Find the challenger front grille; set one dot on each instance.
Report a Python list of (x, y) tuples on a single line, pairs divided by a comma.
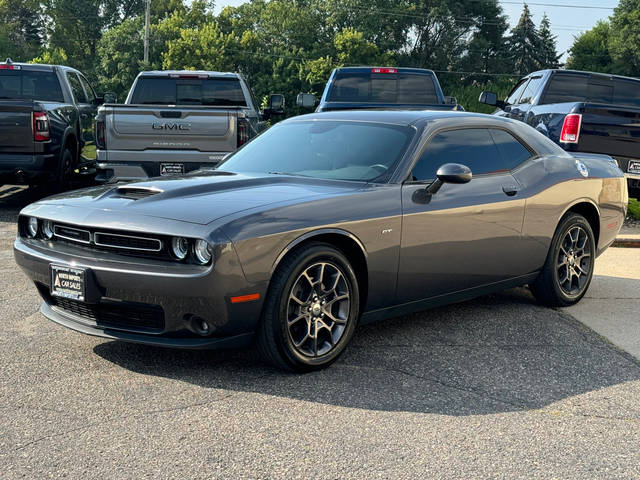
[(73, 234), (127, 242)]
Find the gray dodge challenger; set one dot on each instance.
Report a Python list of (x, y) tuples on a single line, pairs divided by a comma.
[(323, 222)]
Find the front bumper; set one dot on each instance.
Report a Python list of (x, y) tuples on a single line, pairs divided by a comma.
[(146, 301)]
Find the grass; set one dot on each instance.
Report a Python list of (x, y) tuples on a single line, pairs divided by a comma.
[(634, 208)]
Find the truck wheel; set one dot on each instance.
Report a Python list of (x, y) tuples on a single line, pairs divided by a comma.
[(568, 270), (65, 171), (311, 310)]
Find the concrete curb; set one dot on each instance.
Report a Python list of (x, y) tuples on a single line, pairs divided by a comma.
[(626, 242)]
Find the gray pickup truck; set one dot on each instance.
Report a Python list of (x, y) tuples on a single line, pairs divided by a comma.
[(174, 122)]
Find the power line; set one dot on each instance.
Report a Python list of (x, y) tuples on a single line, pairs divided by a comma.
[(555, 5)]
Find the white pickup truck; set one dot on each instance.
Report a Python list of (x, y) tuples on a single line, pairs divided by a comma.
[(174, 122)]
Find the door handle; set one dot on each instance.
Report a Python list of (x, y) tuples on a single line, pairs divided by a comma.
[(510, 190)]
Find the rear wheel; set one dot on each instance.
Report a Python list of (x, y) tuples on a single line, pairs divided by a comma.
[(65, 172), (568, 269), (311, 309)]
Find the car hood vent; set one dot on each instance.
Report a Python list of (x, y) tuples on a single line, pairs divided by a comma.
[(135, 193)]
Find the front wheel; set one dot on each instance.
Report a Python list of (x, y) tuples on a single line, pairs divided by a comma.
[(311, 309), (568, 270)]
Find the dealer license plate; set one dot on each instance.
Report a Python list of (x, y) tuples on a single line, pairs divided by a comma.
[(68, 282), (168, 169), (634, 167)]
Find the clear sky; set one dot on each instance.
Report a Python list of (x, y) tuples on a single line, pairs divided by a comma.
[(566, 22)]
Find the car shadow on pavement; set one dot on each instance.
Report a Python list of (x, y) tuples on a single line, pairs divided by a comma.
[(494, 354)]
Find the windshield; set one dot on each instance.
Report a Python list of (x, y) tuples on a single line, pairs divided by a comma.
[(338, 150), (188, 91), (394, 88), (30, 85)]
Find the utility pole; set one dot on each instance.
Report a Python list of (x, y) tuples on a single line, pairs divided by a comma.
[(147, 15)]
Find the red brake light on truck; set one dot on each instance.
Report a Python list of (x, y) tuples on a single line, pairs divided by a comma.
[(571, 128), (384, 70), (41, 127), (243, 131), (100, 136), (4, 66)]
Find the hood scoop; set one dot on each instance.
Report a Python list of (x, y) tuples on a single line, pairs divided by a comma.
[(135, 193)]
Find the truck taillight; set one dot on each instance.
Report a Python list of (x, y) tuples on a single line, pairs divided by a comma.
[(571, 128), (100, 137), (243, 131), (384, 70), (41, 127)]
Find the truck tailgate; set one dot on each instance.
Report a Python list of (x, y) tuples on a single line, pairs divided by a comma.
[(16, 130), (610, 130), (144, 127)]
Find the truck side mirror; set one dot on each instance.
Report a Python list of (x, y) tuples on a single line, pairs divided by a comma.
[(275, 106), (110, 97), (490, 98), (451, 100), (306, 100)]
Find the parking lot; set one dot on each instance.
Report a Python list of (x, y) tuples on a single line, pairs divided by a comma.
[(495, 387)]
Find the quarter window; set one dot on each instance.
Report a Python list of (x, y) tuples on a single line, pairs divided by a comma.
[(474, 148), (512, 151)]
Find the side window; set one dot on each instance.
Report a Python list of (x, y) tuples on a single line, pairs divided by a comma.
[(512, 151), (531, 90), (76, 88), (566, 87), (517, 91), (87, 88), (473, 147)]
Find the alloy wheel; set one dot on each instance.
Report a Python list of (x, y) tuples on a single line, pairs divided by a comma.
[(574, 261)]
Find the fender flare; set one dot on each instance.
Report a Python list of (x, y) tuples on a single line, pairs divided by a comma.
[(309, 236)]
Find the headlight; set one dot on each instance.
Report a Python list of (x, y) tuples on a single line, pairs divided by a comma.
[(32, 227), (47, 229), (180, 247), (203, 251)]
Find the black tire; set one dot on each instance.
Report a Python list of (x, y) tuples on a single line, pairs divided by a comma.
[(568, 269), (62, 182), (276, 338)]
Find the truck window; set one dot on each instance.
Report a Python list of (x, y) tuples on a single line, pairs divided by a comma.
[(188, 91), (30, 85), (517, 91), (626, 92), (91, 95), (532, 88), (76, 88), (395, 88), (565, 88)]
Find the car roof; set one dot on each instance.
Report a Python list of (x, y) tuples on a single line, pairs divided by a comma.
[(398, 117), (165, 73)]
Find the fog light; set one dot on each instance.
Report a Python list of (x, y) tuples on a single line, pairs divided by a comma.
[(47, 229), (180, 247), (32, 227), (203, 251)]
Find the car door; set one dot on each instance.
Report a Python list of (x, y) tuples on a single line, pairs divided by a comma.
[(466, 235), (87, 109)]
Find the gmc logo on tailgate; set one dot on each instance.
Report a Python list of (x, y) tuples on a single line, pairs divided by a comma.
[(171, 126)]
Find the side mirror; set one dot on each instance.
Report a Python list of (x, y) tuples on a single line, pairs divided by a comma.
[(97, 101), (490, 98), (451, 100), (306, 100), (450, 173), (109, 97)]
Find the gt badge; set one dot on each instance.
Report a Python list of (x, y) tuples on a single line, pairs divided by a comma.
[(582, 168)]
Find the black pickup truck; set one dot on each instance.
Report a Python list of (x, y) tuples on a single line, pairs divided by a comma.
[(582, 112), (46, 125)]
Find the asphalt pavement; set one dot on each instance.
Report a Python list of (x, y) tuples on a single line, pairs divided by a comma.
[(497, 387)]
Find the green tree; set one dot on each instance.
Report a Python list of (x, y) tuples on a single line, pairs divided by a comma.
[(624, 40), (524, 44), (590, 50), (548, 56), (21, 28)]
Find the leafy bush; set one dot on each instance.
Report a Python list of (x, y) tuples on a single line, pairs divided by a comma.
[(634, 208)]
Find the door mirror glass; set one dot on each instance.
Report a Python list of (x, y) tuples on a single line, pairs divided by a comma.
[(306, 100), (488, 98), (451, 100), (276, 104)]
